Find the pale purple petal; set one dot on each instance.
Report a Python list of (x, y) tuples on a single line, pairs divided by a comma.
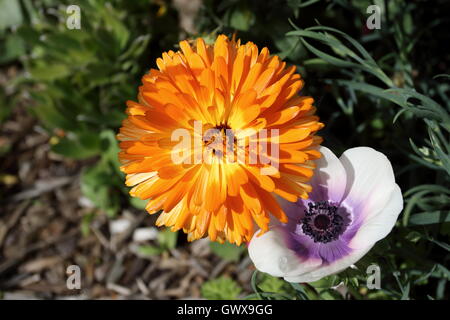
[(370, 181), (305, 247), (379, 226)]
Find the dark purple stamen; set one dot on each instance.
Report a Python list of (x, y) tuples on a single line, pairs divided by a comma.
[(322, 222)]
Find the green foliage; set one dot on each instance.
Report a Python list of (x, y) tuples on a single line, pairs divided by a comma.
[(227, 251), (10, 14), (149, 250), (275, 285), (166, 240), (267, 287), (86, 224), (222, 288), (96, 181)]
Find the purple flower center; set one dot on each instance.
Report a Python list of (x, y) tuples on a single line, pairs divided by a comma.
[(322, 222)]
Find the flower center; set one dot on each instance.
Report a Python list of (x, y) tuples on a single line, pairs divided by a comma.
[(220, 140), (322, 222)]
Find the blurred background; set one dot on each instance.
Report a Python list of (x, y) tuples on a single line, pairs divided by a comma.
[(62, 99)]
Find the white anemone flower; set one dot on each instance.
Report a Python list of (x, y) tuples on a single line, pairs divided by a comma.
[(355, 202)]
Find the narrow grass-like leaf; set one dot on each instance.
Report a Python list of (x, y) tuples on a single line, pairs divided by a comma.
[(426, 218)]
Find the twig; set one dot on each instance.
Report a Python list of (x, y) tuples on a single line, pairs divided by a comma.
[(42, 187), (5, 266), (11, 222)]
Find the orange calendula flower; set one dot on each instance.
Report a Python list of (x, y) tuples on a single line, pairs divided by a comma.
[(218, 131)]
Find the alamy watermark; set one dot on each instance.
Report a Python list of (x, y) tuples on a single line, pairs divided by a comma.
[(73, 281), (374, 20), (73, 20), (374, 277)]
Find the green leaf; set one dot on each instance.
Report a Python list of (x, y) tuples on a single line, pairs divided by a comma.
[(50, 72), (97, 185), (227, 251), (290, 47), (300, 290), (12, 48), (136, 48), (405, 288), (297, 4), (10, 14), (272, 284), (110, 148), (149, 250), (241, 19), (442, 75), (440, 244), (390, 95), (167, 239), (429, 218), (222, 288), (138, 203), (86, 223), (81, 146), (113, 22), (330, 294), (322, 34), (49, 113), (317, 64), (326, 283)]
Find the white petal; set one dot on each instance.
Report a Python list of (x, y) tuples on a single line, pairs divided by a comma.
[(329, 179), (379, 226), (270, 254), (326, 270), (370, 181)]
